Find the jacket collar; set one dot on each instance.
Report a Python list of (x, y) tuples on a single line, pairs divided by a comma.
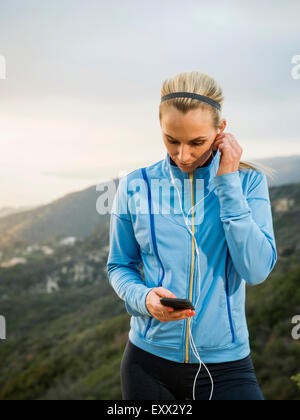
[(204, 172)]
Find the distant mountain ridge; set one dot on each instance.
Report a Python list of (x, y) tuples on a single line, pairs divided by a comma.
[(74, 214), (6, 211), (287, 168)]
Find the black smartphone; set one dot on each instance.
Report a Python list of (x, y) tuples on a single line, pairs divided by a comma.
[(177, 304)]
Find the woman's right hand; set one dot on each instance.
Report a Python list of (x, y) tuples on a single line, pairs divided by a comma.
[(161, 312)]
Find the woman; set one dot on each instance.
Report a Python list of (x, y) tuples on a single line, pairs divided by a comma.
[(203, 243)]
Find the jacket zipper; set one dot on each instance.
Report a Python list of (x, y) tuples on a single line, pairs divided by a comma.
[(191, 175)]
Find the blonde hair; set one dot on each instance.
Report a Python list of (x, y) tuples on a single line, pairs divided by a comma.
[(202, 84)]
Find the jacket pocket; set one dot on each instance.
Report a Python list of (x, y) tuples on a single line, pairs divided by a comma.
[(238, 300), (166, 334), (228, 304), (230, 316), (148, 325), (211, 329), (141, 225)]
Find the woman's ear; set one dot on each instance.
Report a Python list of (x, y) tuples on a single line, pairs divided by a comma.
[(223, 126)]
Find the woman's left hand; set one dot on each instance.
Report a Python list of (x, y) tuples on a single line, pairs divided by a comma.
[(230, 151)]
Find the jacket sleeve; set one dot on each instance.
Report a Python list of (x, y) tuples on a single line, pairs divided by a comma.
[(124, 257), (248, 224)]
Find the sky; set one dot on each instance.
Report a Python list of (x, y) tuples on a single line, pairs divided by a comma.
[(80, 90)]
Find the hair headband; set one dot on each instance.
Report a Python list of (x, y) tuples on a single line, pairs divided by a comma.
[(193, 96)]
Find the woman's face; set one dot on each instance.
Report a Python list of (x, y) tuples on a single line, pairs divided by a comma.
[(188, 137)]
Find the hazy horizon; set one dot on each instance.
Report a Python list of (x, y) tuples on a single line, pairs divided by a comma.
[(80, 99)]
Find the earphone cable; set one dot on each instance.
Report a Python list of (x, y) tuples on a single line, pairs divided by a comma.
[(193, 346)]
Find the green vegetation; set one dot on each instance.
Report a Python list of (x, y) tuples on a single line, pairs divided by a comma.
[(297, 379), (65, 345), (270, 308)]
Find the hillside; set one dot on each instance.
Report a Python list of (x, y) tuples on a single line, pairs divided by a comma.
[(72, 215), (285, 201)]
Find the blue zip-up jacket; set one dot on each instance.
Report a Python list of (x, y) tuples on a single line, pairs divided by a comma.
[(234, 233)]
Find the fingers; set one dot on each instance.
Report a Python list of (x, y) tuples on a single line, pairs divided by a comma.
[(220, 135), (223, 142), (181, 314), (161, 291), (228, 142), (218, 140), (176, 315)]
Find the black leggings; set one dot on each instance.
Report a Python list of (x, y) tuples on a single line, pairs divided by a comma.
[(145, 376)]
